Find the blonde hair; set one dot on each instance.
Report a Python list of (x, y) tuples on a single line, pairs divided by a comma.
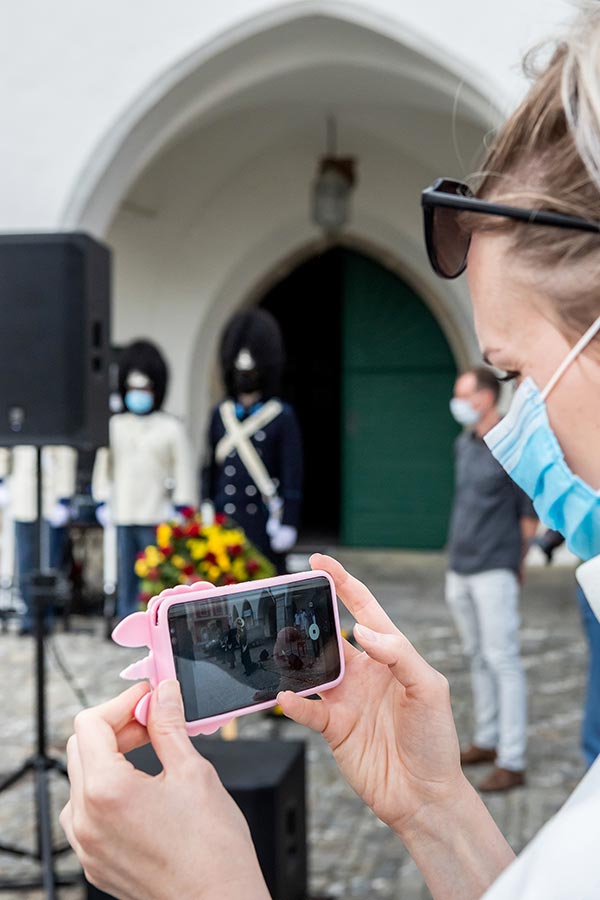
[(547, 156)]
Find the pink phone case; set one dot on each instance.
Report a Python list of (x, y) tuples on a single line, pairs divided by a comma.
[(151, 629)]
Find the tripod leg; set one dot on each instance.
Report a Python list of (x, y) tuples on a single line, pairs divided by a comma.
[(45, 831), (60, 767), (16, 776)]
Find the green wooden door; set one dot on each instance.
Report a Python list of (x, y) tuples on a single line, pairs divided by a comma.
[(397, 432)]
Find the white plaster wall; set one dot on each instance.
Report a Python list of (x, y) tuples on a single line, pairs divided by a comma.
[(75, 76), (211, 223)]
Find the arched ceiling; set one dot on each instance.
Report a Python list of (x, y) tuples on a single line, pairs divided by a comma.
[(288, 76)]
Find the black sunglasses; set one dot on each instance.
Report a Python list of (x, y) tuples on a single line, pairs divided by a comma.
[(448, 243)]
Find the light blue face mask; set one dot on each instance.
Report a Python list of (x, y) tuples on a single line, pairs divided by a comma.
[(525, 445), (463, 412), (139, 402)]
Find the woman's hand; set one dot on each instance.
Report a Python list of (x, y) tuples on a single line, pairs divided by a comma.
[(390, 727), (178, 834), (389, 723)]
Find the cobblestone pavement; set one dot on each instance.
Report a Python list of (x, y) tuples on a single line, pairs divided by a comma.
[(352, 855)]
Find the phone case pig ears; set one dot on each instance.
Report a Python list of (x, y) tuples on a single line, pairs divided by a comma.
[(133, 631)]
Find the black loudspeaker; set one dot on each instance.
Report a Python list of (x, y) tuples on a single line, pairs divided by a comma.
[(267, 781), (54, 340)]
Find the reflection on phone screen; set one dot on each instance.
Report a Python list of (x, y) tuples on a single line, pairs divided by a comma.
[(240, 649)]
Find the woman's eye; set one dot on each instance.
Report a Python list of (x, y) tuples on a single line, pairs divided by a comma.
[(509, 376)]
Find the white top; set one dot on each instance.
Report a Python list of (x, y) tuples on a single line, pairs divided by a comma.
[(148, 457), (19, 467), (563, 861)]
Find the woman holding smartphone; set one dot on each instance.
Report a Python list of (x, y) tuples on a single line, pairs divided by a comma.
[(528, 234)]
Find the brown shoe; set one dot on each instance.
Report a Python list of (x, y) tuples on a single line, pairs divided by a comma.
[(474, 755), (501, 780)]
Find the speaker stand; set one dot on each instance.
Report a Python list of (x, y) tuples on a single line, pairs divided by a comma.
[(40, 764)]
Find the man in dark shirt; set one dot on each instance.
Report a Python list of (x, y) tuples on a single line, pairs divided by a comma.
[(491, 525)]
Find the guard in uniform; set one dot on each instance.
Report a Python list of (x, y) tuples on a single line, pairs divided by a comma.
[(253, 463), (145, 470)]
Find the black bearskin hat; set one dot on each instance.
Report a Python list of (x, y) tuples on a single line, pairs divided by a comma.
[(144, 356), (258, 331)]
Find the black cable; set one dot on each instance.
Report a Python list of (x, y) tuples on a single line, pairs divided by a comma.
[(66, 673)]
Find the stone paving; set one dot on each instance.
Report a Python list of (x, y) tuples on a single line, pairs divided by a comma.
[(352, 855)]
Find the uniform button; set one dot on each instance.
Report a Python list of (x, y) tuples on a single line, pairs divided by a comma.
[(230, 490), (252, 509), (251, 490), (230, 471), (229, 508), (260, 435)]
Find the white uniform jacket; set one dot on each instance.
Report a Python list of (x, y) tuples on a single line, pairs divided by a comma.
[(563, 861), (19, 466), (148, 456)]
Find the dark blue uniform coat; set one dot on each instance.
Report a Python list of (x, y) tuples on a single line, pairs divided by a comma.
[(231, 489)]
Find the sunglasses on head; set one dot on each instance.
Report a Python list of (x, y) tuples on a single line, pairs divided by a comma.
[(448, 242)]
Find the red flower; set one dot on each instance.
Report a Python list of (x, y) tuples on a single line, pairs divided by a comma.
[(140, 555), (188, 570), (236, 550), (177, 531), (154, 575), (193, 530), (220, 518), (169, 550), (230, 579), (211, 559), (187, 512), (145, 596), (252, 566)]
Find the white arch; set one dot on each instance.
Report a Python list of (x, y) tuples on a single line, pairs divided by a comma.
[(208, 78)]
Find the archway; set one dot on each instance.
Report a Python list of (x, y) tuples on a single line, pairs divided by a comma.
[(370, 372), (203, 189), (224, 72)]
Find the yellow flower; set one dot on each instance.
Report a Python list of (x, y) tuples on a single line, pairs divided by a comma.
[(197, 548), (178, 561), (233, 538), (183, 579), (223, 562), (216, 544), (213, 573), (239, 569), (141, 568), (154, 557), (163, 535)]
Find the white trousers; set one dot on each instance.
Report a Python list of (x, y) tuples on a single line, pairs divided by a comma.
[(485, 608)]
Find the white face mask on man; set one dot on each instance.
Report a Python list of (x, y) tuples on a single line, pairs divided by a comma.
[(464, 412)]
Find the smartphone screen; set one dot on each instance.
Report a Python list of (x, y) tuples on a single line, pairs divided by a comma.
[(241, 649)]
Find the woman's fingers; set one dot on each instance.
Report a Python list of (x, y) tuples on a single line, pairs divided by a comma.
[(97, 728), (350, 651), (311, 713), (356, 597), (132, 736), (396, 652), (66, 823), (74, 769)]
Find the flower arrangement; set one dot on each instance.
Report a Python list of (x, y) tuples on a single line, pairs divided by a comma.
[(187, 550)]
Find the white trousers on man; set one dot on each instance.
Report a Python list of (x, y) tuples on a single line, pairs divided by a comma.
[(485, 607)]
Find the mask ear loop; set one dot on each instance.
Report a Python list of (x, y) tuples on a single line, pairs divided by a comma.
[(571, 356)]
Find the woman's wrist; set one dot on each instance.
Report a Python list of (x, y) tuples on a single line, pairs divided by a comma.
[(456, 844)]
